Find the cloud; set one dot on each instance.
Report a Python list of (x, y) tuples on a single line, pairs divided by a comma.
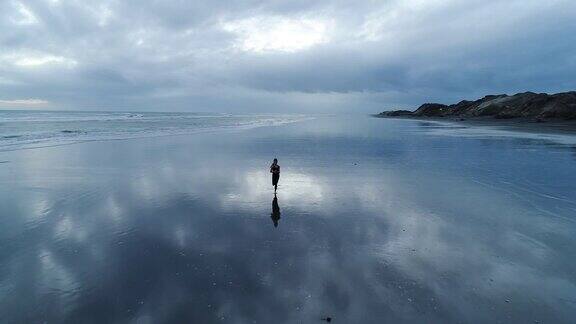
[(270, 34), (31, 60), (23, 103), (23, 15), (282, 55)]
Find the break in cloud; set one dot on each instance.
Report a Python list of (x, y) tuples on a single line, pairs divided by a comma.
[(280, 55)]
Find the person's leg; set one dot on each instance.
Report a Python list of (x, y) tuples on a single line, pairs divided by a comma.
[(275, 179)]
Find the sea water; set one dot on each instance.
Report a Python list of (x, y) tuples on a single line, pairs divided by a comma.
[(29, 129)]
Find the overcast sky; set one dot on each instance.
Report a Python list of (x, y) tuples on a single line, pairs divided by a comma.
[(280, 55)]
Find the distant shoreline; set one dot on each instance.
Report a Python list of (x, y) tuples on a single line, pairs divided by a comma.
[(528, 111), (566, 127)]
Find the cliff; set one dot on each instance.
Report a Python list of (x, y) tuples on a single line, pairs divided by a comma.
[(528, 105)]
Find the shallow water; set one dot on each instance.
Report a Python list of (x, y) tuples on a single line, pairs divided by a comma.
[(33, 129), (379, 221)]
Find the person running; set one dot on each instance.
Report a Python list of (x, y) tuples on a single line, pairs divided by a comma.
[(275, 170)]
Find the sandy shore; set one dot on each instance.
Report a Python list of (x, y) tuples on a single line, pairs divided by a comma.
[(375, 221), (552, 126)]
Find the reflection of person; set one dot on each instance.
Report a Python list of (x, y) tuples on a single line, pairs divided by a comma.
[(275, 170), (275, 211)]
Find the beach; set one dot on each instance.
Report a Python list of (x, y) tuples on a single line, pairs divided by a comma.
[(525, 125), (380, 221)]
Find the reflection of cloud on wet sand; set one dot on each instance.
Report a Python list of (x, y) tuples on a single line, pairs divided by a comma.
[(434, 244), (189, 238), (255, 186)]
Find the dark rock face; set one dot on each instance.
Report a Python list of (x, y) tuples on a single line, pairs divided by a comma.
[(431, 110), (396, 113), (537, 106)]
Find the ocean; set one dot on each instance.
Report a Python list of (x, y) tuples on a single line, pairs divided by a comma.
[(32, 129)]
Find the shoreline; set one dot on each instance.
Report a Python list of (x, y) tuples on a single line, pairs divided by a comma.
[(68, 131), (527, 125)]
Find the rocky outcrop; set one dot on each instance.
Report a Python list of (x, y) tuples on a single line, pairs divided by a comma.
[(538, 106), (431, 110), (399, 113)]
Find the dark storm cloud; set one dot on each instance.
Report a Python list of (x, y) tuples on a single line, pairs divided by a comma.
[(279, 55)]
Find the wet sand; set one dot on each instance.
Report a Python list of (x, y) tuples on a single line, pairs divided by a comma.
[(376, 221), (529, 125)]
